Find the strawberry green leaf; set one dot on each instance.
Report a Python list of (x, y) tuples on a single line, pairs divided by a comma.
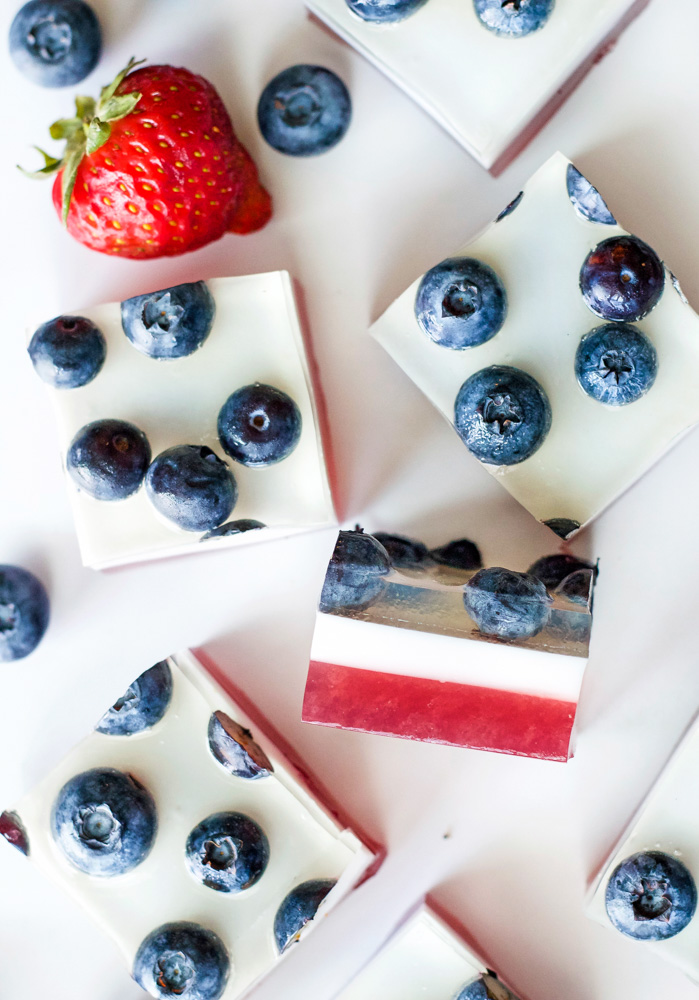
[(75, 150), (111, 89), (118, 107), (64, 128), (85, 107), (97, 134), (51, 166)]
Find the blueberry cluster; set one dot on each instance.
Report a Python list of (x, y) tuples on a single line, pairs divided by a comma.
[(189, 485)]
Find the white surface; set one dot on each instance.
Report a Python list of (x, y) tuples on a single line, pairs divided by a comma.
[(355, 227)]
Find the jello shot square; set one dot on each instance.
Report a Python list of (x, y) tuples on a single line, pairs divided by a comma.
[(187, 419), (190, 836), (559, 347), (490, 73)]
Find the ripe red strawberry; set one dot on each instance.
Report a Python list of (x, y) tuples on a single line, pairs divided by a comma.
[(154, 168)]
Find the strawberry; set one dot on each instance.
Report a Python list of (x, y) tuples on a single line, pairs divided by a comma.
[(154, 169)]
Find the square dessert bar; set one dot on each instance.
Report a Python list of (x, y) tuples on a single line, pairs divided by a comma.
[(491, 91), (190, 836), (410, 661), (173, 359), (559, 347), (647, 887)]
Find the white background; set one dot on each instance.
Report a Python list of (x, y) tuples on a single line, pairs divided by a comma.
[(355, 227)]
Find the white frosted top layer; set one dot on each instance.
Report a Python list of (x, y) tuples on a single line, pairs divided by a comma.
[(255, 338), (593, 452), (668, 821), (424, 960), (482, 88), (173, 761)]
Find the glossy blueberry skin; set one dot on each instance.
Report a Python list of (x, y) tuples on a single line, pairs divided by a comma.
[(104, 821), (486, 988), (297, 909), (502, 415), (513, 18), (651, 896), (67, 352), (304, 111), (586, 199), (564, 527), (506, 604), (616, 364), (622, 279), (259, 425), (355, 574), (384, 11), (192, 487), (227, 852), (459, 554), (182, 959), (142, 705), (238, 527), (24, 612), (552, 570), (509, 209), (13, 831), (108, 459), (461, 303), (404, 553), (171, 323), (55, 43), (235, 749)]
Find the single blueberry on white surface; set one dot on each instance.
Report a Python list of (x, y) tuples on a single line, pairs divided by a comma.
[(55, 43), (305, 110), (171, 323), (622, 279), (616, 364), (651, 896), (384, 11), (506, 604), (355, 574), (259, 425), (68, 352), (236, 750), (586, 199), (182, 959), (24, 612), (192, 487), (513, 18), (227, 852), (108, 459), (297, 909), (142, 705), (461, 303)]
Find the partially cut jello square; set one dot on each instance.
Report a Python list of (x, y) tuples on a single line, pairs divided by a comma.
[(559, 347), (187, 419), (191, 835), (490, 659), (490, 72)]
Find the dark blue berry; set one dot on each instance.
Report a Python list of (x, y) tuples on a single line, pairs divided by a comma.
[(564, 527), (233, 528), (67, 352), (355, 574), (622, 279), (171, 323), (227, 852), (651, 896), (506, 604), (182, 959), (502, 415), (55, 43), (192, 487), (486, 988), (384, 11), (259, 425), (236, 750), (305, 110), (616, 364), (142, 705), (586, 199), (513, 18), (459, 554), (509, 209), (297, 909), (13, 831), (552, 570), (108, 459), (104, 821), (404, 553), (24, 612), (461, 303)]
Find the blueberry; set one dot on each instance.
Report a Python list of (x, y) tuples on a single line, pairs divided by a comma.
[(502, 415), (67, 352), (384, 11), (182, 959), (616, 364), (24, 612), (55, 43), (192, 487), (297, 909), (586, 199), (513, 18), (552, 570), (461, 303), (13, 831), (577, 586), (564, 527), (404, 553), (651, 896), (486, 988), (259, 425), (142, 705), (104, 821), (171, 323), (233, 528), (108, 459), (622, 279), (509, 209), (305, 110), (227, 852), (236, 750), (506, 604), (355, 574), (459, 554)]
